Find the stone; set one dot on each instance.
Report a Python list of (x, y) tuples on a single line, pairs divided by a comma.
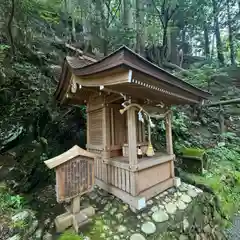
[(102, 235), (119, 217), (122, 229), (183, 237), (161, 206), (38, 233), (181, 205), (154, 208), (116, 237), (198, 190), (125, 207), (192, 193), (167, 200), (171, 208), (113, 211), (21, 216), (107, 207), (160, 216), (103, 193), (179, 194), (93, 195), (148, 228), (33, 227), (15, 237), (47, 222), (103, 201), (137, 236), (207, 229), (197, 237), (150, 202), (182, 188), (47, 236), (105, 228), (185, 198), (177, 182), (138, 217), (171, 190), (185, 224)]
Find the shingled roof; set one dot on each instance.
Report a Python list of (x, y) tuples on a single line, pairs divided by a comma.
[(125, 58)]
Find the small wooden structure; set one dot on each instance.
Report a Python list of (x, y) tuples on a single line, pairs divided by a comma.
[(108, 85), (74, 177)]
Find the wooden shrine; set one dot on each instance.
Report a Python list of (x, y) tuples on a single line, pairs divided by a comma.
[(74, 177), (123, 92)]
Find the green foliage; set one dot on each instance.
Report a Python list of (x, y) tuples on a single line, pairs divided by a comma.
[(224, 178), (193, 152), (10, 202), (70, 236)]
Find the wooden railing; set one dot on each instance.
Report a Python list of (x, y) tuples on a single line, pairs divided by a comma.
[(113, 175)]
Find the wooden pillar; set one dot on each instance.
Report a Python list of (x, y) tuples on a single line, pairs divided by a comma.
[(168, 126), (132, 136), (132, 148), (106, 141), (169, 142)]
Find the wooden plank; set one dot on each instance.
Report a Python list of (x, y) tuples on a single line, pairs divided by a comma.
[(127, 181), (123, 179), (132, 141), (116, 176), (168, 125), (157, 189), (133, 184), (100, 168), (124, 196), (110, 79), (112, 126), (95, 147), (119, 178), (113, 169)]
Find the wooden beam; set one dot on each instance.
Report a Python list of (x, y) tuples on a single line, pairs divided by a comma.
[(227, 102), (132, 141), (168, 126)]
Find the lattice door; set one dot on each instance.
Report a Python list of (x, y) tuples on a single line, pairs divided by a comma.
[(74, 177)]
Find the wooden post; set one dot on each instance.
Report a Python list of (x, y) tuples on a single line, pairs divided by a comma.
[(132, 138), (106, 141), (132, 147), (168, 126)]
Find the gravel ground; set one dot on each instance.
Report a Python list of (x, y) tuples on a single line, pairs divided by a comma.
[(233, 232)]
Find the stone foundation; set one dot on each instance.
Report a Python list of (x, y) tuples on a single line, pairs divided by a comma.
[(179, 213)]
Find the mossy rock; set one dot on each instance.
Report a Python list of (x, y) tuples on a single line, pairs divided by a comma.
[(194, 160)]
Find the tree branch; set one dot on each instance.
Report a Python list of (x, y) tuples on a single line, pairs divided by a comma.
[(159, 14), (115, 14)]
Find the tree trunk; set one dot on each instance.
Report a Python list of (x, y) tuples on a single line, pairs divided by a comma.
[(73, 26), (172, 52), (87, 31), (9, 26), (66, 18), (217, 32), (127, 20), (206, 39), (230, 34), (140, 33)]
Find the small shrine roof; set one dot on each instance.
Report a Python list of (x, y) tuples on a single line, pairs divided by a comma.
[(150, 80)]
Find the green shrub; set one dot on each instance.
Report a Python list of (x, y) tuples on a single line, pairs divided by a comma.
[(70, 236), (10, 202)]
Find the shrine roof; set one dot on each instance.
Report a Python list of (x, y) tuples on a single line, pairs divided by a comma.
[(124, 59)]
